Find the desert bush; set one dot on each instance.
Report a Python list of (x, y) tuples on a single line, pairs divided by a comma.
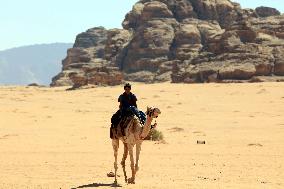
[(155, 135)]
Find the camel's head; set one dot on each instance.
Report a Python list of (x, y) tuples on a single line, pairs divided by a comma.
[(153, 112)]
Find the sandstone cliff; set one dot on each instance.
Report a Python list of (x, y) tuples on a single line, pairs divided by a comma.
[(180, 41)]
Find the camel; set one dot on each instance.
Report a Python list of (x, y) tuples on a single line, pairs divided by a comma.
[(134, 135)]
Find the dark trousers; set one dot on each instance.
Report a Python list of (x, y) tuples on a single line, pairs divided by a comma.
[(141, 115)]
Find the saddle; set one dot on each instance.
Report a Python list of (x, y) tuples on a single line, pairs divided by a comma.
[(121, 119), (118, 130)]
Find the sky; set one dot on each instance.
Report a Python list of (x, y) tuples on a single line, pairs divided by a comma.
[(48, 21)]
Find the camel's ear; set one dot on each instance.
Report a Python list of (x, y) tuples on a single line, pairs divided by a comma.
[(147, 111), (158, 110)]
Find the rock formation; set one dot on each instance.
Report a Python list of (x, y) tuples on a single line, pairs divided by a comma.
[(93, 59), (267, 11), (180, 41)]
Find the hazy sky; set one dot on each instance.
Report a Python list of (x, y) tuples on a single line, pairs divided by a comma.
[(47, 21)]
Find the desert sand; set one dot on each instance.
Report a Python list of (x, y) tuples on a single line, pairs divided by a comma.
[(51, 138)]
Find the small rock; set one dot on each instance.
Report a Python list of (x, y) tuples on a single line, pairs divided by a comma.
[(200, 141)]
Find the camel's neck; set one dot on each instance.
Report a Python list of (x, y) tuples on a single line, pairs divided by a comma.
[(146, 127)]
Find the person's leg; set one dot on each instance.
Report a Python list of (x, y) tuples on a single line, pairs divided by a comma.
[(135, 111), (142, 117)]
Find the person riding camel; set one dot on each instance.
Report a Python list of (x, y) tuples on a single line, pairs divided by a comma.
[(127, 107), (127, 99)]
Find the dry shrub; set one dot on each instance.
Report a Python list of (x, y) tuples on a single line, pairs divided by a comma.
[(155, 135)]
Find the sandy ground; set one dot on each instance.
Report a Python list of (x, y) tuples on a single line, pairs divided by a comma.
[(51, 138)]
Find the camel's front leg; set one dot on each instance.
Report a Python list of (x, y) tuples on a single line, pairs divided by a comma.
[(115, 145), (132, 179), (125, 153), (138, 149)]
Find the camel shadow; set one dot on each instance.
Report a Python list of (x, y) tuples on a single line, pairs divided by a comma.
[(113, 185)]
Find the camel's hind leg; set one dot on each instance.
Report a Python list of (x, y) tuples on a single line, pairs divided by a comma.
[(115, 145), (123, 160)]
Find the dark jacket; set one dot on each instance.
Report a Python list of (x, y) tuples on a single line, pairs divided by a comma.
[(127, 100)]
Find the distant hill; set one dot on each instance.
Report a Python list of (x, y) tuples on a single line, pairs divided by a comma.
[(31, 64)]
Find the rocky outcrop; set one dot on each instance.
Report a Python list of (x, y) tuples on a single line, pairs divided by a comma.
[(180, 41), (93, 58), (267, 11), (279, 61), (250, 47)]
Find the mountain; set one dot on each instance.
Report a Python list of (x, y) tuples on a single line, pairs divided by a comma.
[(31, 64), (188, 41)]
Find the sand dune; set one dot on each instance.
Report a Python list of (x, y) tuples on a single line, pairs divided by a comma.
[(51, 138)]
